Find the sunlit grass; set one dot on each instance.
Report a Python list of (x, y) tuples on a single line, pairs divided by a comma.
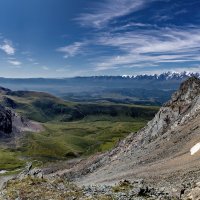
[(71, 129), (84, 137), (10, 160)]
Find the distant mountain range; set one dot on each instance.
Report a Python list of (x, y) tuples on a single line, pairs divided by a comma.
[(139, 89), (165, 76)]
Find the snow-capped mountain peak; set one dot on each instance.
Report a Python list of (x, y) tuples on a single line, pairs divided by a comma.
[(165, 76)]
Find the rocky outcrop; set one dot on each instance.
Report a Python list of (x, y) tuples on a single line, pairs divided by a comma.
[(29, 172), (22, 124), (4, 90), (5, 121), (184, 105), (10, 103), (194, 193), (12, 123)]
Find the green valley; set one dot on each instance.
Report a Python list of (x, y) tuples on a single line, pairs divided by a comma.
[(71, 130)]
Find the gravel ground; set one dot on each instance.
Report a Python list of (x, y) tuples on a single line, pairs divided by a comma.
[(4, 179)]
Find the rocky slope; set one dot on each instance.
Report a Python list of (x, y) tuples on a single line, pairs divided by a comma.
[(12, 123), (155, 163), (159, 153)]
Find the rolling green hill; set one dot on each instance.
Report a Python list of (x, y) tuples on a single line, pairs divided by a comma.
[(70, 129)]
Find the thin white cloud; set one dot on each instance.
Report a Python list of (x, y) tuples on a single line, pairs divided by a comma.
[(152, 47), (31, 59), (45, 68), (14, 62), (7, 47), (72, 49), (132, 25), (108, 10), (128, 42)]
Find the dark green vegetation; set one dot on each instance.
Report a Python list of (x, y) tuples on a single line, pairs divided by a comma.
[(71, 129), (43, 107)]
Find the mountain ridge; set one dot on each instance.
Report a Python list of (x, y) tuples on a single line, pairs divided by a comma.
[(169, 75), (166, 75), (157, 152)]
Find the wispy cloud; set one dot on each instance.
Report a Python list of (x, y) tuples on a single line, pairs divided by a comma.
[(14, 62), (134, 43), (107, 10), (45, 68), (122, 37), (31, 59), (151, 47), (7, 47), (72, 49)]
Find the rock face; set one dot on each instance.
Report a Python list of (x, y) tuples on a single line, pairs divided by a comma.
[(22, 124), (183, 106), (4, 90), (9, 103), (159, 153), (11, 123), (5, 121), (29, 172)]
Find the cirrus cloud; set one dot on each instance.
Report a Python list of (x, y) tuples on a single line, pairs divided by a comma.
[(72, 49), (14, 62), (108, 10), (145, 48), (7, 47)]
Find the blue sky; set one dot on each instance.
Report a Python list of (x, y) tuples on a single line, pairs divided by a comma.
[(66, 38)]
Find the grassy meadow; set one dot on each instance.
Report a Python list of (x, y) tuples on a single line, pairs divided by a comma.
[(79, 138), (71, 129)]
